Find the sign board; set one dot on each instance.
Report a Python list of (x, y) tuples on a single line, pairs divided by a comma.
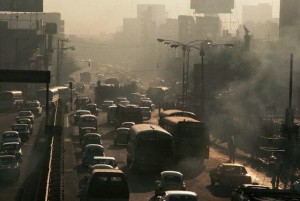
[(212, 6), (21, 5), (25, 76)]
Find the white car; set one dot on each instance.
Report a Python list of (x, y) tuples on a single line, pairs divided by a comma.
[(178, 195)]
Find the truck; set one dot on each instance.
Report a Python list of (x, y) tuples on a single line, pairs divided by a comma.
[(85, 77)]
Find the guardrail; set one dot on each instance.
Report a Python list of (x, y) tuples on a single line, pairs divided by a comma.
[(55, 177)]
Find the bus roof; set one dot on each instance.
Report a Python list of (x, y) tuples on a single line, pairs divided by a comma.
[(145, 128), (177, 119), (11, 92), (175, 112)]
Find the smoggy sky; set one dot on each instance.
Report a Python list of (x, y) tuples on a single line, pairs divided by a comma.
[(91, 17)]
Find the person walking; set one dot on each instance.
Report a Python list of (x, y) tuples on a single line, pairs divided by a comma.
[(231, 150)]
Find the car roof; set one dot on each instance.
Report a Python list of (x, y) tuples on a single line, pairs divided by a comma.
[(105, 157), (164, 173), (77, 111), (7, 156), (232, 164), (94, 146), (7, 132), (86, 128), (107, 171), (102, 166), (123, 128), (253, 185), (191, 193), (92, 134), (87, 115), (19, 125), (9, 143)]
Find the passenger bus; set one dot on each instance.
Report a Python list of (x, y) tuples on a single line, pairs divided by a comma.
[(150, 147), (64, 93), (132, 113), (53, 95), (191, 136), (11, 100), (175, 112)]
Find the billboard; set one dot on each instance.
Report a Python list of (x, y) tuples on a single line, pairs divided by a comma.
[(212, 6), (21, 5)]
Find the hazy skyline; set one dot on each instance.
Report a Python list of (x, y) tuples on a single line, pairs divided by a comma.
[(91, 17)]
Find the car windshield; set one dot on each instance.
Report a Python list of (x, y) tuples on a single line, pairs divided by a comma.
[(19, 127), (234, 170), (24, 113), (172, 179), (10, 147)]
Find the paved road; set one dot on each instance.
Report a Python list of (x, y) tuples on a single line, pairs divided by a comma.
[(142, 185)]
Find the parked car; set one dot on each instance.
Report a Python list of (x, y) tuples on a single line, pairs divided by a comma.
[(230, 174), (26, 121), (178, 196), (85, 130), (91, 138), (146, 113), (78, 113), (9, 168), (11, 136), (34, 106), (93, 109), (121, 136), (12, 148), (25, 114), (105, 160), (239, 193), (169, 180), (23, 130), (106, 104), (106, 184), (89, 152)]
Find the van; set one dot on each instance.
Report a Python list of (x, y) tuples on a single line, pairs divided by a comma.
[(107, 185)]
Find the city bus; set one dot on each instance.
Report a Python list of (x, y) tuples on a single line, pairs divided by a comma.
[(191, 136), (150, 147), (11, 100), (53, 95), (175, 112), (157, 94)]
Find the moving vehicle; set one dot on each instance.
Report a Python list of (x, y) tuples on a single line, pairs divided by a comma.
[(89, 152), (121, 136), (85, 130), (132, 113), (99, 166), (191, 136), (11, 100), (147, 103), (9, 168), (23, 130), (106, 104), (104, 92), (239, 193), (150, 147), (26, 121), (25, 114), (113, 80), (127, 124), (169, 180), (106, 185), (92, 108), (34, 106), (87, 120), (146, 113), (11, 136), (230, 174), (78, 113), (105, 160), (53, 95), (91, 138), (157, 94), (178, 196), (119, 99), (175, 112), (111, 114), (12, 148)]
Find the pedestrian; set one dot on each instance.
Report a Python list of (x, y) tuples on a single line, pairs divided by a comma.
[(231, 150)]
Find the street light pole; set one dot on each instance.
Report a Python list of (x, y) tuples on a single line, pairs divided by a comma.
[(202, 53)]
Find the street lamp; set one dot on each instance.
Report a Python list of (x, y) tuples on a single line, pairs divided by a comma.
[(185, 70), (202, 54), (59, 59)]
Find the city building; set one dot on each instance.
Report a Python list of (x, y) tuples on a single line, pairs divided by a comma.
[(263, 13)]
